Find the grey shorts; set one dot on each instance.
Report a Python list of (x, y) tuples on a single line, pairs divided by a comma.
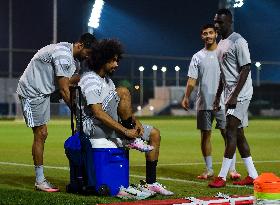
[(205, 119), (240, 112), (36, 112)]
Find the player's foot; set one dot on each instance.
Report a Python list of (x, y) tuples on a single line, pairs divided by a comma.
[(158, 188), (140, 145), (132, 192), (246, 181), (143, 186), (217, 182), (234, 175), (208, 173), (45, 186)]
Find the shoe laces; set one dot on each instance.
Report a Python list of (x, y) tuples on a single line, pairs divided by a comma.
[(159, 184)]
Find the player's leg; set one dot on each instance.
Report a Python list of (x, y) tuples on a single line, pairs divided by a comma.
[(37, 113), (124, 111), (221, 124), (231, 135), (204, 124), (125, 107), (152, 136), (244, 148)]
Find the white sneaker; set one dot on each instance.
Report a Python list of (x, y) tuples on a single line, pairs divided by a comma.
[(208, 173), (45, 186), (132, 193), (159, 188), (144, 188), (140, 145)]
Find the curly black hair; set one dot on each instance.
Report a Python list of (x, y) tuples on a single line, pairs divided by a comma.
[(104, 51)]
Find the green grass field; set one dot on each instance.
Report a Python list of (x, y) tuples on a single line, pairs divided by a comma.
[(179, 163)]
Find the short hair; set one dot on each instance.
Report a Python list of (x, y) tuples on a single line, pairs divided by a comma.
[(104, 51), (224, 11), (205, 26), (88, 40)]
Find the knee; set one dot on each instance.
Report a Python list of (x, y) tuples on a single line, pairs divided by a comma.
[(41, 134), (123, 92), (155, 136)]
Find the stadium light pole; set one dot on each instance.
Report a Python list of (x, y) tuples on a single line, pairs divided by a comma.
[(154, 68), (163, 69), (177, 69), (54, 21), (141, 69), (258, 65), (9, 90)]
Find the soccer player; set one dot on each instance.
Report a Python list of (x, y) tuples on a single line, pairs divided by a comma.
[(234, 58), (204, 69), (53, 65), (105, 105)]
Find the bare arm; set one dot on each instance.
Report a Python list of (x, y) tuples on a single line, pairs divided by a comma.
[(245, 70), (189, 88), (107, 120), (216, 104), (63, 84), (74, 79)]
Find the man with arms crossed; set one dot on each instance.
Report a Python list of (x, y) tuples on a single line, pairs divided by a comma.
[(105, 105), (51, 66), (204, 68), (234, 59)]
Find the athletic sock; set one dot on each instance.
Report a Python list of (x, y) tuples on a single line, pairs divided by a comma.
[(39, 172), (250, 167), (151, 171), (233, 162), (208, 162), (225, 167)]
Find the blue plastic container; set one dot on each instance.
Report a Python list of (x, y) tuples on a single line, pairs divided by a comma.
[(111, 169), (101, 170)]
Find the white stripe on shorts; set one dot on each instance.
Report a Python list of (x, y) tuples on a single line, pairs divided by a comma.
[(230, 111), (27, 110)]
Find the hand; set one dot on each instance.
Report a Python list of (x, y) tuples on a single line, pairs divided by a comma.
[(131, 133), (216, 104), (139, 128), (185, 103)]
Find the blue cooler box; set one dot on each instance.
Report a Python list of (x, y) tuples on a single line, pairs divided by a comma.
[(102, 170), (111, 169)]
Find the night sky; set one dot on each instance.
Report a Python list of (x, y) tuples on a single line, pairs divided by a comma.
[(146, 27)]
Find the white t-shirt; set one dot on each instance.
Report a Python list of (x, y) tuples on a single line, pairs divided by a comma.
[(233, 53)]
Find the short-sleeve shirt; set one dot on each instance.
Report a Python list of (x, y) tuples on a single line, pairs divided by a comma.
[(96, 90), (233, 53), (204, 67), (51, 61)]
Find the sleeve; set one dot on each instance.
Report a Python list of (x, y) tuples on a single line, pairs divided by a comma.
[(63, 63), (193, 67), (242, 52), (91, 89)]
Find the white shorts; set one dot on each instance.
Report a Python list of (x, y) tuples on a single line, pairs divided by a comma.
[(240, 112), (36, 112)]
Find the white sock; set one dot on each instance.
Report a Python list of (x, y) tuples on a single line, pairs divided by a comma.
[(39, 172), (232, 165), (208, 162), (250, 167), (225, 168)]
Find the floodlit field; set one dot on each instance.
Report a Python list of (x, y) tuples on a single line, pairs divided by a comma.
[(179, 163)]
